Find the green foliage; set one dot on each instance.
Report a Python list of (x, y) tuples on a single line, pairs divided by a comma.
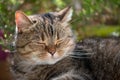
[(98, 31), (87, 12)]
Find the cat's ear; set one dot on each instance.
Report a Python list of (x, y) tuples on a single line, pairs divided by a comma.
[(22, 21), (65, 15)]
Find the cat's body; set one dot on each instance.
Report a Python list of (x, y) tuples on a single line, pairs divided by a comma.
[(105, 57), (44, 51), (66, 69)]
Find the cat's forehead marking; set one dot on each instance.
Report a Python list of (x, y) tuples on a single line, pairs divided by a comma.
[(44, 18), (49, 16), (36, 18), (49, 27)]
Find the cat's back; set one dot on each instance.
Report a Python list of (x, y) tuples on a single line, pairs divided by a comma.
[(105, 58)]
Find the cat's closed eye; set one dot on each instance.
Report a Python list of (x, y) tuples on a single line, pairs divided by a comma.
[(57, 45), (37, 43)]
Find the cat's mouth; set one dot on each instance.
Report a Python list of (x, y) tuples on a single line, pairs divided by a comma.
[(47, 59)]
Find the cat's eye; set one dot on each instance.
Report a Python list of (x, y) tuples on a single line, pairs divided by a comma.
[(38, 43), (57, 45)]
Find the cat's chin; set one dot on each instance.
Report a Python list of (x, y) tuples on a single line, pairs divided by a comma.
[(45, 62), (48, 60)]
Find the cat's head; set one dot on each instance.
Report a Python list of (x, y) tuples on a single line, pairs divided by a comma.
[(46, 38)]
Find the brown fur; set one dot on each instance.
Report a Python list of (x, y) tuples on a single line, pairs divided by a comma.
[(105, 57), (44, 51)]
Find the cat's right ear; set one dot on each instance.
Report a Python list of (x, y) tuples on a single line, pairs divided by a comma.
[(65, 14), (22, 21)]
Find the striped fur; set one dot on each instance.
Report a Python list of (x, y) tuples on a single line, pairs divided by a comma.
[(44, 51), (46, 37)]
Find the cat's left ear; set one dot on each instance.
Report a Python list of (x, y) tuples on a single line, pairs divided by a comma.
[(22, 21), (65, 15)]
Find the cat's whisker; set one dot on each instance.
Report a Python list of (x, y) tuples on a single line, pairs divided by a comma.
[(82, 53), (80, 57), (82, 50)]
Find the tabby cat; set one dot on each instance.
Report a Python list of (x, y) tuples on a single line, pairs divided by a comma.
[(45, 45)]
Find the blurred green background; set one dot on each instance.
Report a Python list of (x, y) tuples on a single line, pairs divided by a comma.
[(91, 18)]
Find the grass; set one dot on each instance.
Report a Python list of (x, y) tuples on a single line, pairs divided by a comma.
[(98, 31)]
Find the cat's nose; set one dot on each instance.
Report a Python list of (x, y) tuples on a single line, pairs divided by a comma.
[(52, 51)]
